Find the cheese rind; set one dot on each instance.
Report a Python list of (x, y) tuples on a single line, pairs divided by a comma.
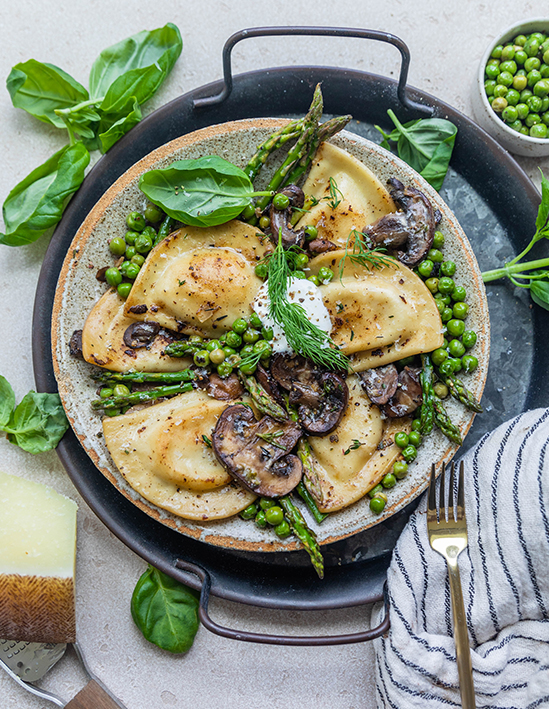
[(37, 560)]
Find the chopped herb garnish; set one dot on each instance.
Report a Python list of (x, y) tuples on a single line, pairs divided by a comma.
[(270, 436), (334, 202), (206, 440), (363, 256), (355, 445), (181, 283)]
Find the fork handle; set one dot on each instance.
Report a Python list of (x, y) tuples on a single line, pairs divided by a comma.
[(92, 696), (463, 652)]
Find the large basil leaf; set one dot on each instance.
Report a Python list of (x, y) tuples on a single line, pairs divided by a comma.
[(38, 201), (38, 423), (134, 67), (165, 611), (202, 192), (7, 401), (40, 89), (113, 126), (539, 290), (543, 211)]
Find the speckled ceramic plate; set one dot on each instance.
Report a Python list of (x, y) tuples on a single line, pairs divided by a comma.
[(78, 290)]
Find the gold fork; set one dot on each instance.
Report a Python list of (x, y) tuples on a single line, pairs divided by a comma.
[(448, 536)]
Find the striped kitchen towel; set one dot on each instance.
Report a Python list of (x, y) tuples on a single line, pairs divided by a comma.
[(505, 581)]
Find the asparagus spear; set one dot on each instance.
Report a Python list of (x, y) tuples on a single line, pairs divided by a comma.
[(310, 501), (185, 375), (305, 535), (140, 397), (265, 403), (444, 422), (311, 482), (459, 391), (427, 411), (183, 348), (164, 230), (292, 130)]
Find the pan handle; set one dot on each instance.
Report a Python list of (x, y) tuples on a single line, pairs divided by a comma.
[(315, 32), (300, 640)]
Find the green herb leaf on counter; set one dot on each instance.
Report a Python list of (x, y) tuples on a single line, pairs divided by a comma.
[(38, 201), (165, 611), (40, 89), (37, 424), (203, 192), (530, 274), (425, 144), (113, 126)]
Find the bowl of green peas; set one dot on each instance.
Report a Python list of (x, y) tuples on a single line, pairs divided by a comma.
[(511, 94)]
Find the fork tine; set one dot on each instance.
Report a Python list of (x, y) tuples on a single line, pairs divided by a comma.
[(432, 504), (451, 493), (441, 501), (461, 494)]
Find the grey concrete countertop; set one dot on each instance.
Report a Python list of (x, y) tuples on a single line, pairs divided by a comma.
[(446, 42)]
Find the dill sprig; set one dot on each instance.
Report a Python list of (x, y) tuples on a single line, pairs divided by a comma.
[(372, 259), (333, 200), (303, 336)]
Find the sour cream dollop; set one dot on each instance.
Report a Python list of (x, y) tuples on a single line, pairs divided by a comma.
[(300, 291)]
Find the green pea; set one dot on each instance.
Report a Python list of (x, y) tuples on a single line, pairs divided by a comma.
[(152, 213), (124, 289), (507, 53), (469, 363), (425, 268), (456, 363), (301, 261), (489, 86), (545, 118), (505, 79), (124, 267), (446, 314), (438, 356), (516, 125), (497, 51), (444, 298), (532, 119), (325, 275), (499, 104), (264, 222), (541, 89), (113, 276), (377, 505), (522, 110), (435, 255), (281, 201), (538, 35), (544, 104), (112, 412), (195, 339), (461, 310), (263, 348), (246, 350), (400, 469), (538, 130), (261, 270), (415, 438), (233, 339), (510, 114), (532, 63), (283, 530), (544, 71), (121, 390), (314, 279), (224, 369), (534, 103), (311, 232), (132, 270), (432, 284), (441, 390), (143, 244), (389, 481), (267, 333), (409, 453), (519, 83), (456, 348), (249, 512), (440, 305), (469, 338), (438, 240), (274, 515), (520, 57), (228, 350), (212, 345), (130, 252), (446, 285), (375, 491), (459, 293), (217, 356), (446, 367), (117, 246), (531, 47), (105, 393), (492, 71), (240, 326), (402, 439), (130, 237), (247, 368), (455, 327), (416, 424), (546, 57), (300, 274), (533, 77), (260, 519), (201, 358), (500, 90), (447, 268), (251, 335), (135, 221)]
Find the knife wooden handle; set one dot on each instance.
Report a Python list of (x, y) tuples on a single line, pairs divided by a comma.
[(92, 696)]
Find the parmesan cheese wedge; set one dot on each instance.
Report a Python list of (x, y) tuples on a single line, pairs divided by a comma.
[(37, 560)]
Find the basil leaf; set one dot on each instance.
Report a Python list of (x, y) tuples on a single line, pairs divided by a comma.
[(38, 423), (165, 611), (113, 126), (202, 192), (40, 89), (135, 67), (38, 201), (543, 211), (539, 290), (7, 401)]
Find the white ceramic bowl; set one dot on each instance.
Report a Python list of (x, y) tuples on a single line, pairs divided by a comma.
[(487, 118)]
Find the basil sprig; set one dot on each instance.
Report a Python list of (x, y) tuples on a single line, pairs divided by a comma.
[(425, 144), (204, 192), (165, 611), (122, 79), (37, 424)]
